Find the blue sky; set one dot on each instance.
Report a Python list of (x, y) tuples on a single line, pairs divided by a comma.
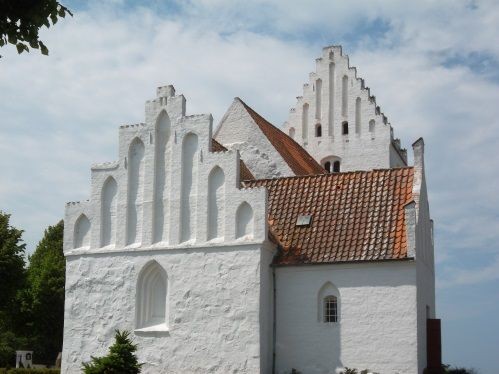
[(433, 66)]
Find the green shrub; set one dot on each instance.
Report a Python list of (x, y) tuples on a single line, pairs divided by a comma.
[(120, 360)]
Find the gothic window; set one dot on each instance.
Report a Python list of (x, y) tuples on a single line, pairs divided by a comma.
[(371, 126), (327, 166), (151, 305), (318, 130), (336, 167), (292, 132), (344, 127), (330, 309)]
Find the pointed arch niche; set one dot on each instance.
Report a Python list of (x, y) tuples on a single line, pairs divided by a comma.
[(358, 114), (216, 203), (188, 205), (162, 152), (304, 122), (328, 304), (135, 191), (151, 307), (344, 96), (81, 236), (109, 203), (244, 221)]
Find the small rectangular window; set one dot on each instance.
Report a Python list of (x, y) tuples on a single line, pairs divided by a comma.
[(330, 309)]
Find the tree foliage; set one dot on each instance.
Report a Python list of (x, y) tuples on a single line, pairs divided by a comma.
[(21, 20), (43, 298), (12, 281), (12, 262), (120, 360)]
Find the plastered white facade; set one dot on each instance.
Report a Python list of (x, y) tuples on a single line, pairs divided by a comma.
[(334, 95), (170, 199), (377, 326)]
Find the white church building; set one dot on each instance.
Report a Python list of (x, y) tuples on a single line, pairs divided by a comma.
[(250, 249)]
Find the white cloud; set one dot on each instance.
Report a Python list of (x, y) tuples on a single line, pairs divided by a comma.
[(459, 277)]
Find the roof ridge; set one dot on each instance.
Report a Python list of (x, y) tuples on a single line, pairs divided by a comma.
[(335, 174), (297, 158)]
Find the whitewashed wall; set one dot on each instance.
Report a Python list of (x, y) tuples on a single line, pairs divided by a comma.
[(369, 143), (214, 309), (377, 327), (170, 199), (237, 130), (424, 252)]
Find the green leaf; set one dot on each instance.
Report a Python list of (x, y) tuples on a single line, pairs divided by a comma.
[(44, 49), (21, 48)]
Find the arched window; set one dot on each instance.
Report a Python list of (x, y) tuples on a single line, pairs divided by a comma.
[(151, 309), (330, 312), (371, 126), (344, 127), (292, 132), (328, 304), (318, 130), (331, 164)]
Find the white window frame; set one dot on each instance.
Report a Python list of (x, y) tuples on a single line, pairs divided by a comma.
[(330, 309)]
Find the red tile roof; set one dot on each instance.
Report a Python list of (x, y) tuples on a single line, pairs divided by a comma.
[(298, 159), (356, 216), (243, 169)]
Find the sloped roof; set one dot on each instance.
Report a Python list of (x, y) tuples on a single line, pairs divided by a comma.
[(356, 216), (243, 169), (297, 158)]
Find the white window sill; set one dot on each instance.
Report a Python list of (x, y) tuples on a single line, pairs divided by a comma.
[(162, 327)]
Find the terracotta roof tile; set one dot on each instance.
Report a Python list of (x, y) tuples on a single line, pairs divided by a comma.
[(356, 216), (297, 158)]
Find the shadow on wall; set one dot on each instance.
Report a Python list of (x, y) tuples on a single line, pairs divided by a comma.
[(313, 345)]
